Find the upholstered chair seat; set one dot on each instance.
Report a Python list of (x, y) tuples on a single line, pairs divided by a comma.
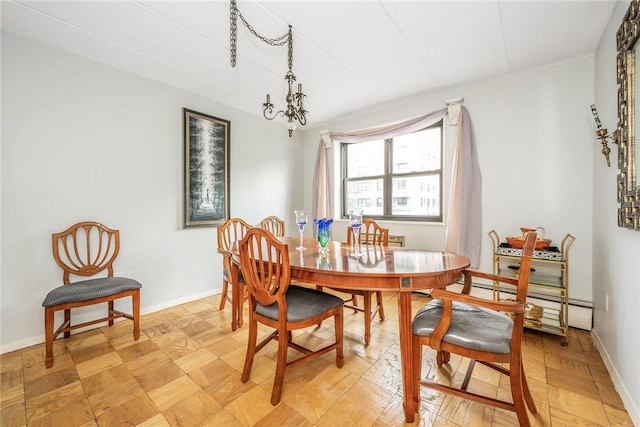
[(473, 327), (302, 304), (89, 289)]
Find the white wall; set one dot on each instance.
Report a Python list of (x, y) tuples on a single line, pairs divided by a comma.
[(535, 145), (83, 141), (616, 251)]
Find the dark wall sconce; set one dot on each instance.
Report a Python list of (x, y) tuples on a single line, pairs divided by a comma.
[(602, 134)]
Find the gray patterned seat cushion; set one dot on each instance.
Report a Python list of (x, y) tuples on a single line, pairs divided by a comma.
[(471, 327), (85, 290), (302, 303)]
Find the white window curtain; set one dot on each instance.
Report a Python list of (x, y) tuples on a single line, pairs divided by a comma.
[(464, 216)]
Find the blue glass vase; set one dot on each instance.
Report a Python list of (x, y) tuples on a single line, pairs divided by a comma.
[(324, 233)]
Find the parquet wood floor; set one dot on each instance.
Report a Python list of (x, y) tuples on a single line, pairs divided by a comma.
[(185, 371)]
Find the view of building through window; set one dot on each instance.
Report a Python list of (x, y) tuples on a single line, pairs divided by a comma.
[(398, 178)]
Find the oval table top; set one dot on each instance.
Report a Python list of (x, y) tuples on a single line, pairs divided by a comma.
[(378, 267)]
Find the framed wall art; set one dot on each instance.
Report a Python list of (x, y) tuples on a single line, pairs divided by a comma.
[(206, 170)]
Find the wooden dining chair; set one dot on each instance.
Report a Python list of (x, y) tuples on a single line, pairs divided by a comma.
[(281, 306), (479, 330), (87, 249), (370, 233), (274, 224), (232, 231)]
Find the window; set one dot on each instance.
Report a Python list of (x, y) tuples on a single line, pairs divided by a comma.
[(398, 178), (364, 186)]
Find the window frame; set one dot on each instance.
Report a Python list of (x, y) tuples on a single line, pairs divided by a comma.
[(387, 180)]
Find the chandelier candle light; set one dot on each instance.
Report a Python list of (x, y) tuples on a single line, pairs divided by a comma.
[(294, 111)]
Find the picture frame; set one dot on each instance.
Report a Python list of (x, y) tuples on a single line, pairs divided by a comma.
[(206, 169)]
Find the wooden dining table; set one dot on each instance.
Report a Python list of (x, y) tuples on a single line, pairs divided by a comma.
[(378, 268)]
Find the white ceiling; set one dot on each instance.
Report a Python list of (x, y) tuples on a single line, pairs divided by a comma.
[(348, 55)]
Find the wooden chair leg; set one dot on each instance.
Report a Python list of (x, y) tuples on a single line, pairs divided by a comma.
[(281, 365), (223, 295), (515, 377), (48, 334), (135, 303), (319, 288), (380, 306), (442, 357), (353, 301), (367, 317), (240, 302), (67, 321), (339, 332), (110, 311), (251, 350), (416, 370), (527, 393)]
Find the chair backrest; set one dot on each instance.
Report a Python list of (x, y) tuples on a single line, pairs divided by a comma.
[(371, 232), (85, 249), (233, 230), (265, 267), (524, 272), (274, 224)]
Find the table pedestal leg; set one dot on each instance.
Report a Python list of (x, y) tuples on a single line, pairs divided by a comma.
[(404, 306)]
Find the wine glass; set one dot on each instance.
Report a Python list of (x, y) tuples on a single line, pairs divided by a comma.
[(355, 220), (301, 220)]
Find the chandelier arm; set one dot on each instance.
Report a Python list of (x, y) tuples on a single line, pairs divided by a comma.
[(280, 113), (301, 117)]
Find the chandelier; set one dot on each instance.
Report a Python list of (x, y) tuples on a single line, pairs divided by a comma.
[(294, 111)]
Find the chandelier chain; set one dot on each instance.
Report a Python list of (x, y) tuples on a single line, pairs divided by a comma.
[(234, 33), (278, 41), (290, 49)]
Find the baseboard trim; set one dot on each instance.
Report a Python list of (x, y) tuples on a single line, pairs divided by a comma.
[(629, 405), (179, 301), (39, 339)]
